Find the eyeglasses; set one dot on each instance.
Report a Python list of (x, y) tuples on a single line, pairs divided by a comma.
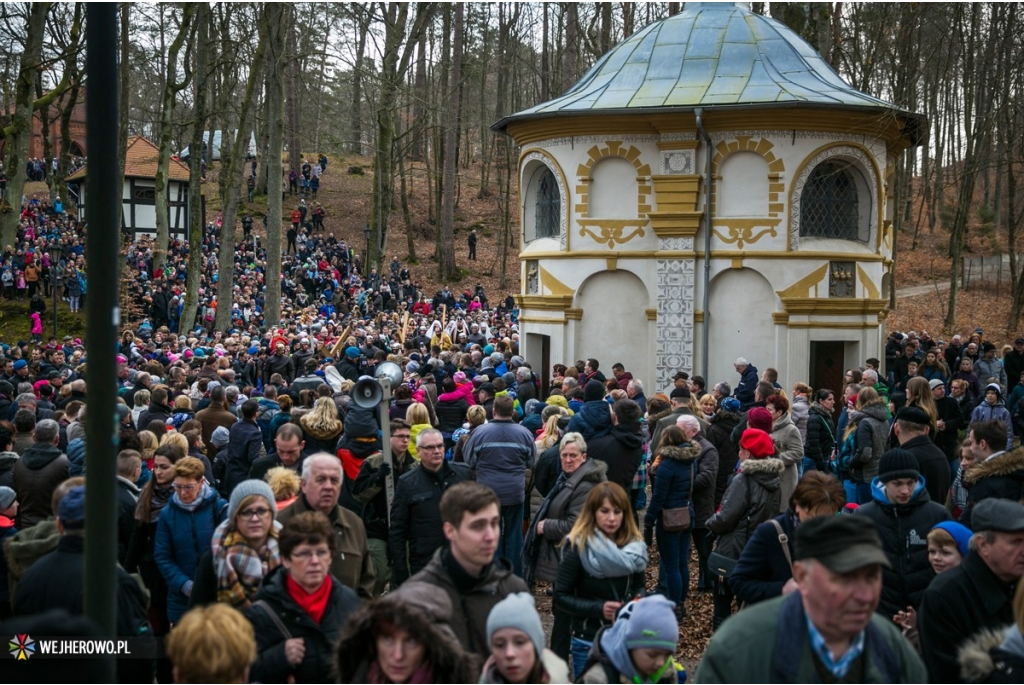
[(431, 447), (186, 488), (308, 554), (260, 513), (403, 436)]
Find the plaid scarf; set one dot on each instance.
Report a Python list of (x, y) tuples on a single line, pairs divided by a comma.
[(239, 567)]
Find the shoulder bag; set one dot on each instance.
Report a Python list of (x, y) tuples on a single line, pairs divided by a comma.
[(677, 519)]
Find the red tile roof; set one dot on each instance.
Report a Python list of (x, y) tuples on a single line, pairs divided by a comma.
[(140, 162)]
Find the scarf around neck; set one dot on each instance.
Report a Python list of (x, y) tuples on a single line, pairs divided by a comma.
[(313, 603), (602, 558), (159, 498), (204, 493), (239, 566)]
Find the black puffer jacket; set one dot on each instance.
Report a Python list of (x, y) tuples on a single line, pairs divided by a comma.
[(719, 435), (904, 532), (704, 482), (821, 436), (271, 665), (416, 528), (582, 595), (621, 450), (752, 498), (451, 413), (1002, 477)]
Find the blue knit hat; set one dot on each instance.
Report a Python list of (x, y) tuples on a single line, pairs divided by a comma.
[(71, 510), (961, 534)]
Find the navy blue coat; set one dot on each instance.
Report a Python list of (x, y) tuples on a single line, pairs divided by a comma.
[(762, 569), (673, 480), (182, 538)]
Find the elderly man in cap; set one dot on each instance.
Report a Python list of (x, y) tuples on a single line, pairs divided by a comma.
[(977, 594), (911, 429), (826, 631)]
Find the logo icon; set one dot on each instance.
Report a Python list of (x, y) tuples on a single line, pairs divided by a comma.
[(22, 647)]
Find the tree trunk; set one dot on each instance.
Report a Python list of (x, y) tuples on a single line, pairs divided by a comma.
[(225, 255), (363, 19), (394, 64), (572, 46), (277, 16), (410, 227), (446, 268), (172, 87), (196, 220), (19, 131), (292, 101), (545, 58), (419, 110)]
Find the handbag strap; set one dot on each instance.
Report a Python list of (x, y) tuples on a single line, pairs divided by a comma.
[(784, 542), (273, 617)]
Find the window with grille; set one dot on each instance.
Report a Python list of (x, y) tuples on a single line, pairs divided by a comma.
[(830, 204), (548, 206)]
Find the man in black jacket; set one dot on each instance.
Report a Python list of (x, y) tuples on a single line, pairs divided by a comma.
[(977, 594), (280, 363), (950, 420), (289, 452), (129, 467), (912, 431), (416, 527), (996, 473), (369, 490), (622, 448)]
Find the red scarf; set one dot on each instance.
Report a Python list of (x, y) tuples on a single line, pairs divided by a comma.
[(313, 603)]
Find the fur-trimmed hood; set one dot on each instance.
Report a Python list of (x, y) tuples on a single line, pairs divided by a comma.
[(592, 471), (1009, 464), (766, 467), (687, 452), (451, 663), (976, 655), (320, 433)]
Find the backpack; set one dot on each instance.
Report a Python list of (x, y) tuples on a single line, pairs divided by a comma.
[(841, 462)]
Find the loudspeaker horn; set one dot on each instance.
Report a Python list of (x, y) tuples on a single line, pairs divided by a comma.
[(367, 393)]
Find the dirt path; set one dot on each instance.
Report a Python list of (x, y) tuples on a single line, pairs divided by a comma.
[(915, 290)]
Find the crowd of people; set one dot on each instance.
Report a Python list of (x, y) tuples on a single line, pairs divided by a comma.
[(268, 532)]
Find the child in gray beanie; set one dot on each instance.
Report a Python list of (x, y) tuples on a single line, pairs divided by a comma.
[(516, 638), (638, 647)]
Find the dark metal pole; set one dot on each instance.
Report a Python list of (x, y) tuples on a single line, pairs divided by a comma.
[(102, 315), (53, 286)]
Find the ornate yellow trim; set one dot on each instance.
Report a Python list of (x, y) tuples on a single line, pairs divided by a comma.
[(553, 284), (780, 318), (805, 284), (742, 231), (611, 263), (869, 286), (554, 303), (761, 147), (612, 231), (540, 319), (799, 254), (652, 314), (698, 316), (737, 263), (690, 254), (612, 148), (832, 306), (565, 184), (849, 123), (574, 314), (834, 325)]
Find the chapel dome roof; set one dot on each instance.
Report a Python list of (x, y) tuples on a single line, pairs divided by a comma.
[(710, 54)]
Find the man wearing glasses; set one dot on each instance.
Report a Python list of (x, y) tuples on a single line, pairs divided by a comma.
[(416, 527), (369, 490)]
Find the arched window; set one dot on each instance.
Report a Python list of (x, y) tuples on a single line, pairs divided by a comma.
[(830, 203), (548, 206)]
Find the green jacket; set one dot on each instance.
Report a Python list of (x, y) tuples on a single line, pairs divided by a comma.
[(768, 643)]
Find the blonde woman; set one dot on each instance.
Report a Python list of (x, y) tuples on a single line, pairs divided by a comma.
[(708, 406), (602, 567), (140, 401), (181, 442), (419, 420), (799, 409), (321, 427), (475, 416)]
